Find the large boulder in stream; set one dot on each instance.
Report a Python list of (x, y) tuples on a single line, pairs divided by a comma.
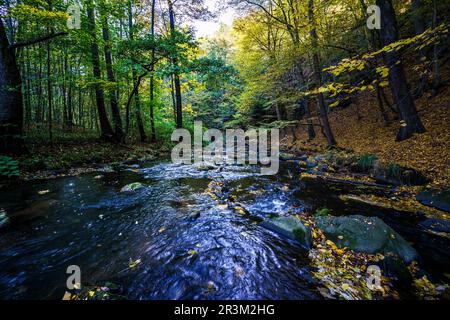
[(439, 199), (366, 234), (132, 187), (291, 228)]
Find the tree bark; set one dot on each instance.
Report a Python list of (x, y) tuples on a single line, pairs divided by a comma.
[(137, 100), (118, 130), (11, 107), (176, 76), (105, 127), (318, 75), (411, 122), (152, 77)]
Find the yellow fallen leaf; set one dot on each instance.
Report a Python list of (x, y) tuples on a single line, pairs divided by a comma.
[(133, 264)]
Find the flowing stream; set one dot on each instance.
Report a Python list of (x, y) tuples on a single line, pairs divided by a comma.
[(190, 246)]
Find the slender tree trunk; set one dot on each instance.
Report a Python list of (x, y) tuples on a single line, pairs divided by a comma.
[(176, 76), (28, 92), (172, 94), (418, 19), (137, 100), (64, 92), (110, 74), (152, 77), (436, 72), (105, 127), (397, 80), (49, 86), (69, 102), (318, 75), (11, 107), (304, 102), (40, 100)]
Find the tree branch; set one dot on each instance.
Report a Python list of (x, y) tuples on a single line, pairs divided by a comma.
[(135, 89), (37, 40)]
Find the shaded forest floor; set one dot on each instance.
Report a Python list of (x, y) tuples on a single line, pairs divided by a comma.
[(428, 153), (71, 156)]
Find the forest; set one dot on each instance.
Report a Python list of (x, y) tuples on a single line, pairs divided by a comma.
[(92, 90)]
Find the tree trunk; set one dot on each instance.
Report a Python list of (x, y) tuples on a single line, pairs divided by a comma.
[(172, 94), (152, 78), (110, 74), (318, 75), (11, 108), (397, 80), (49, 95), (105, 127), (176, 76), (137, 100), (436, 72)]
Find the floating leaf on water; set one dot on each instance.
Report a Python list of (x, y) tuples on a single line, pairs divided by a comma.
[(133, 264), (192, 252), (162, 230)]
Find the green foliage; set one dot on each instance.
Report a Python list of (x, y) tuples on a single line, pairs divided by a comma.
[(394, 171), (322, 212), (9, 167), (367, 162)]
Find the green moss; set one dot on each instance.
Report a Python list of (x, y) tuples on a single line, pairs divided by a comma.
[(299, 234), (322, 212), (367, 162)]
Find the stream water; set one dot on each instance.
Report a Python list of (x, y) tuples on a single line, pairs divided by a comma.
[(87, 221)]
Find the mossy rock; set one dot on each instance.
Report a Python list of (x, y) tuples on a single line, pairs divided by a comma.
[(366, 234), (291, 228), (132, 187)]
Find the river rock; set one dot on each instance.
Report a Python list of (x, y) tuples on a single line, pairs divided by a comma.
[(439, 199), (132, 187), (291, 228), (404, 176), (3, 218), (366, 234), (436, 225)]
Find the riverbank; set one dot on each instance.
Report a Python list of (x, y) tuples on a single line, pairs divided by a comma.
[(359, 130), (71, 158)]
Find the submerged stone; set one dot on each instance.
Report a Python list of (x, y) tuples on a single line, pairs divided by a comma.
[(291, 228), (439, 199), (366, 234), (3, 218), (132, 187)]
